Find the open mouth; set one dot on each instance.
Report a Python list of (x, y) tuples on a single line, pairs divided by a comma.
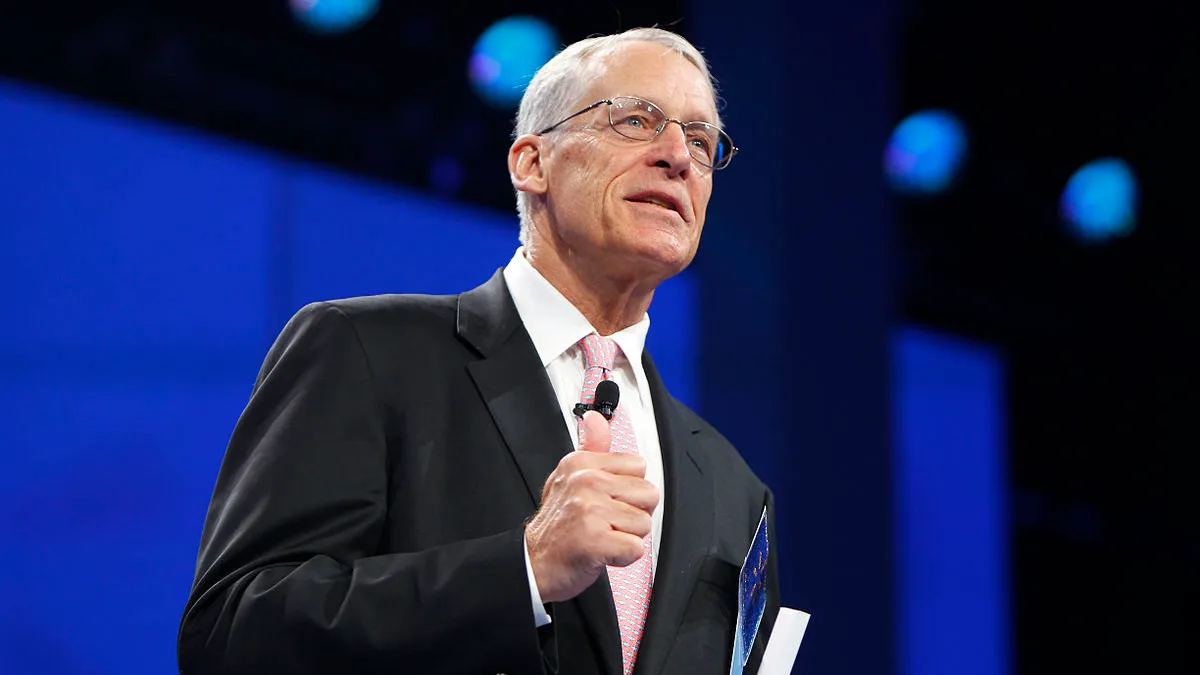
[(661, 201)]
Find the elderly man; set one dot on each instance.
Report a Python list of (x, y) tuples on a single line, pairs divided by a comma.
[(410, 488)]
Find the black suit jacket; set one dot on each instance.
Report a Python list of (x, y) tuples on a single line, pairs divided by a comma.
[(369, 513)]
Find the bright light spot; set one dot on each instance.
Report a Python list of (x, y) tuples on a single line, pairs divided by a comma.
[(333, 16), (506, 57), (1100, 200), (925, 152)]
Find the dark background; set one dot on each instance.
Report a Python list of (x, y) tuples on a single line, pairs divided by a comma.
[(1098, 339)]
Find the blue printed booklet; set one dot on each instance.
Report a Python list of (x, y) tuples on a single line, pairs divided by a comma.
[(752, 597)]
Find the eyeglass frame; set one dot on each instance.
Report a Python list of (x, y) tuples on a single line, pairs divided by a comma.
[(658, 132)]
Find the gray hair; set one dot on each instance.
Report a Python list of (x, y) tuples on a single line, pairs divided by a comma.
[(557, 86)]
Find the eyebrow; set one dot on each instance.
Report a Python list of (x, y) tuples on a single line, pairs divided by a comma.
[(705, 117), (701, 117)]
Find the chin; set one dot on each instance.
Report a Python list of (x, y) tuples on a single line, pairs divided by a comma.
[(651, 247), (663, 258)]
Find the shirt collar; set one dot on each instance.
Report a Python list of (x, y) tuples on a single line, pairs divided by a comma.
[(555, 325)]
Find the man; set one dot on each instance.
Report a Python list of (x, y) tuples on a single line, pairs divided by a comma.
[(409, 490)]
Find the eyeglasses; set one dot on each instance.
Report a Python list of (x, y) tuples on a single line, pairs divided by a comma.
[(641, 120)]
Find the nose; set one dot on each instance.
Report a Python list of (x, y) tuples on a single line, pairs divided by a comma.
[(671, 150)]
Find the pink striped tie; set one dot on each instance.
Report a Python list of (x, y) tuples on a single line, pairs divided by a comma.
[(630, 585)]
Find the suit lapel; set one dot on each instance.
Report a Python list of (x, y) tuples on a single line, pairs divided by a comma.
[(687, 524), (512, 382), (521, 400)]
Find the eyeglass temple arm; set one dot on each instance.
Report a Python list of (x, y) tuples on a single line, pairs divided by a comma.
[(566, 119)]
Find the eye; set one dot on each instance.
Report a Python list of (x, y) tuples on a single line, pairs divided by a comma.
[(701, 142), (638, 119)]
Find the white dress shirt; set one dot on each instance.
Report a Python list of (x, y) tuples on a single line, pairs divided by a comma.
[(556, 327)]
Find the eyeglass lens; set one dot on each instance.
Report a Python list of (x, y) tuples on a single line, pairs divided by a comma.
[(642, 120)]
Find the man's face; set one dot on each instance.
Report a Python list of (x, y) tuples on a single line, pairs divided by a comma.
[(635, 207)]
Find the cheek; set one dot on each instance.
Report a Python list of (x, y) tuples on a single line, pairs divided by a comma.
[(589, 187), (700, 201), (585, 160)]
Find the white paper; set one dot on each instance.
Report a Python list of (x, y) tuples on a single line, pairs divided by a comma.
[(786, 635)]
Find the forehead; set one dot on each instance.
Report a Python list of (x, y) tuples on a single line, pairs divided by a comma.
[(656, 73)]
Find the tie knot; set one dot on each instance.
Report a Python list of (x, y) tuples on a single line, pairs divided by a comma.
[(598, 352)]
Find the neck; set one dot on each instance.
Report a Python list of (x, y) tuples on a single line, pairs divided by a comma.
[(609, 302)]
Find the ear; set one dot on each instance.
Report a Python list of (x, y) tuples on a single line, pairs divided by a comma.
[(525, 167)]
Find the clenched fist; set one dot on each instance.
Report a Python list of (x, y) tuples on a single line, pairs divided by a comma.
[(596, 509)]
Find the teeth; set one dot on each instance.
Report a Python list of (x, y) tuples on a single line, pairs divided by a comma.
[(658, 202)]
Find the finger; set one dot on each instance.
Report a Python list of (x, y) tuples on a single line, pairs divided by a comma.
[(622, 549), (622, 464), (629, 519), (635, 491), (596, 435)]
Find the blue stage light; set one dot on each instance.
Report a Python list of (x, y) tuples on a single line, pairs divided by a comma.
[(333, 16), (1100, 200), (507, 55), (925, 152)]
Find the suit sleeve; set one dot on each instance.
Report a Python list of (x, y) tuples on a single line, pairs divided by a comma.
[(288, 578)]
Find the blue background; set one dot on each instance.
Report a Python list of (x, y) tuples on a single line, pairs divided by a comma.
[(148, 270)]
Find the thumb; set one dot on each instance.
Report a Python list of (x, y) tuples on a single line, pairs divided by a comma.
[(596, 435)]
